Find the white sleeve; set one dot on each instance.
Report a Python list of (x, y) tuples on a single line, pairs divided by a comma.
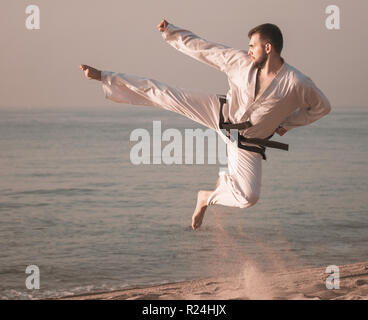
[(313, 105), (216, 55)]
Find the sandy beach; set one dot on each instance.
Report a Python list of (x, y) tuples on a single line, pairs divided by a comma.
[(298, 284)]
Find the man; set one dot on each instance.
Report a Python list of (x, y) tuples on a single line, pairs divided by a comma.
[(265, 92)]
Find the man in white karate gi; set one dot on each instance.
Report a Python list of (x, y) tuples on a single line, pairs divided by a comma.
[(263, 90)]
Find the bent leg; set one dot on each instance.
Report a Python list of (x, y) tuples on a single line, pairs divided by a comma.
[(242, 186), (200, 107), (200, 209)]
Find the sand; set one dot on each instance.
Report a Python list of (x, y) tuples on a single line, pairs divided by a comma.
[(309, 283)]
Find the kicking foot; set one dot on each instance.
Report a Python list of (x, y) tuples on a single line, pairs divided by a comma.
[(200, 209), (91, 73)]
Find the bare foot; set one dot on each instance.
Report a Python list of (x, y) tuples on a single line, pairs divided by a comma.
[(91, 73), (200, 208)]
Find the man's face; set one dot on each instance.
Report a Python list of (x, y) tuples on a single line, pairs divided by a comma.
[(257, 51)]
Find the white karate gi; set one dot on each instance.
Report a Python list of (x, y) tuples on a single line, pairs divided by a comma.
[(291, 100)]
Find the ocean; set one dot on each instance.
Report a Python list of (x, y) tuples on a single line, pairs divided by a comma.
[(73, 204)]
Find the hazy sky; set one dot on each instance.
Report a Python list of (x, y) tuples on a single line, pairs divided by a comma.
[(40, 68)]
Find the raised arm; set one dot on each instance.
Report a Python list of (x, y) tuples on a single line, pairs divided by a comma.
[(216, 55), (314, 105)]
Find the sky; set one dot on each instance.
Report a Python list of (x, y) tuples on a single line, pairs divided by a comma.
[(41, 67)]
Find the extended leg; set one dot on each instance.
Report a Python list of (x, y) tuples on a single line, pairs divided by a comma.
[(200, 107)]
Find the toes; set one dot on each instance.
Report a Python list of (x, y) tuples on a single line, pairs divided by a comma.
[(196, 224)]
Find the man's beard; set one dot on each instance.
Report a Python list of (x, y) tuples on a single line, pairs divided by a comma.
[(261, 62)]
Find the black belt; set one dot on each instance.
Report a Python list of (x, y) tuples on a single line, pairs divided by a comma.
[(262, 143)]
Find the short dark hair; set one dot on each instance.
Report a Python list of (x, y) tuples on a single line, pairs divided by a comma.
[(271, 33)]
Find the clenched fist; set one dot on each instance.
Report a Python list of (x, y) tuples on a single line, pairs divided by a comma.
[(281, 131), (91, 73), (162, 25)]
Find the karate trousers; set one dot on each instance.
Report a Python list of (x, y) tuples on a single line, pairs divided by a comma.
[(240, 187)]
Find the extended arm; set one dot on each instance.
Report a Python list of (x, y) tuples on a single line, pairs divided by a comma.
[(216, 55)]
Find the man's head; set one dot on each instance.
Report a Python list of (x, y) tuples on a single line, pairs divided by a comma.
[(265, 40)]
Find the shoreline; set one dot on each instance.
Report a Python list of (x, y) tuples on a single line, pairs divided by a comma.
[(308, 283)]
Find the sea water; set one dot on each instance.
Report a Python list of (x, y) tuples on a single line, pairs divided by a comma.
[(73, 204)]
